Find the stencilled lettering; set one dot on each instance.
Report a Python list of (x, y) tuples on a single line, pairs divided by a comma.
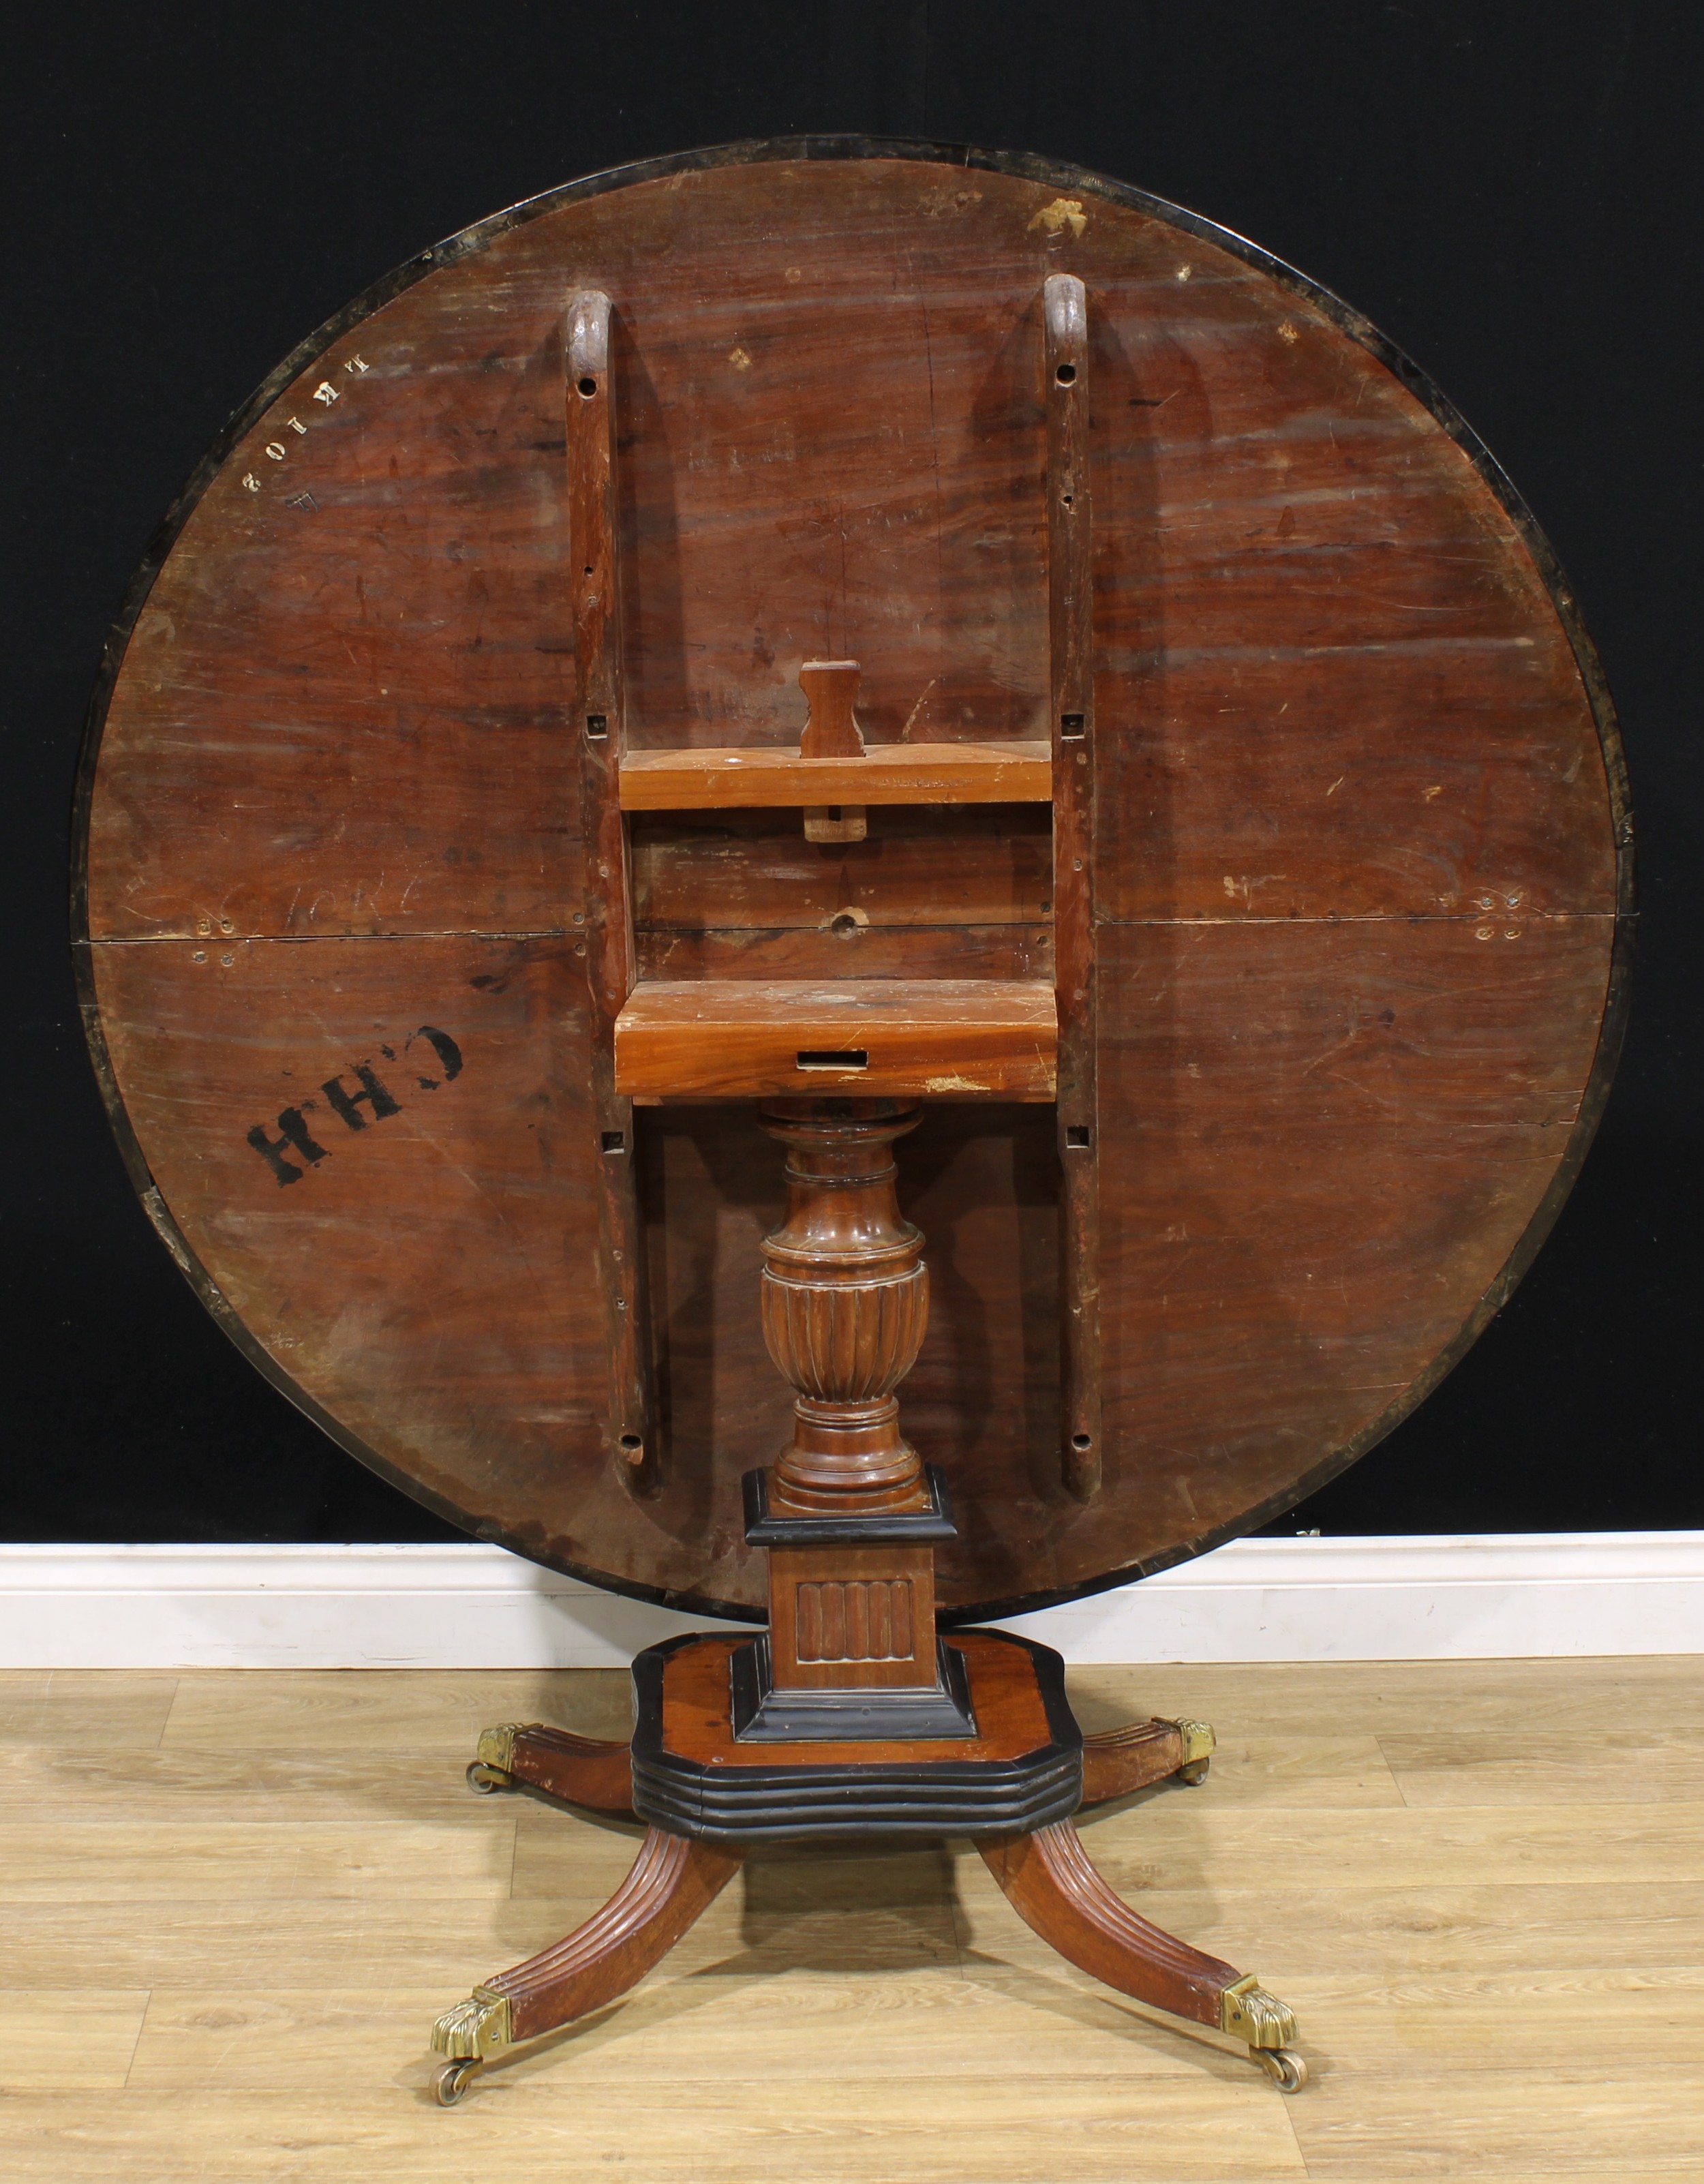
[(294, 1136), (447, 1052), (431, 1053), (346, 1106)]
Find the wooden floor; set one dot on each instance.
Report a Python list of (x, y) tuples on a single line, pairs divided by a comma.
[(233, 1902)]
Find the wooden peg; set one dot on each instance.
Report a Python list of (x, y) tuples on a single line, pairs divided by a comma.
[(832, 731)]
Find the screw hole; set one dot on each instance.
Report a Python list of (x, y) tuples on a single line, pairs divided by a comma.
[(1081, 1441), (1065, 374), (845, 925), (588, 386)]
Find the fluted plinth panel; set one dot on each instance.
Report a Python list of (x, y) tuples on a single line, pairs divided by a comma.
[(845, 1342)]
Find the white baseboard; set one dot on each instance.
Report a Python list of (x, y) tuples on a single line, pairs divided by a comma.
[(1443, 1597)]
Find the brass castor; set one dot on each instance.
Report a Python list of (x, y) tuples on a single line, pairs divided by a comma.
[(1283, 2065), (1195, 1772), (488, 1779), (451, 2079)]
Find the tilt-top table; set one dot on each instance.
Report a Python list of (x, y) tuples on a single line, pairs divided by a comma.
[(823, 645)]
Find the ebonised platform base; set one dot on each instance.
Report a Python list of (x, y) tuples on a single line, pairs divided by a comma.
[(707, 1797)]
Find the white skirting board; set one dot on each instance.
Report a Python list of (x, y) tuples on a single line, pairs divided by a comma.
[(1446, 1597)]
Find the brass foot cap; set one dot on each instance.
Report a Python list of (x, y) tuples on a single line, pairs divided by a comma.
[(1199, 1744), (1248, 2012), (496, 1747), (473, 2028)]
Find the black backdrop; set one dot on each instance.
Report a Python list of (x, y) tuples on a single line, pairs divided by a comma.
[(1510, 189)]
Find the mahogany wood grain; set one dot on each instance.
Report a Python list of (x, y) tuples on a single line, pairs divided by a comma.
[(593, 1771), (842, 947), (600, 720), (1071, 655), (673, 1881), (1014, 772), (831, 691), (1011, 1719), (1343, 721), (1378, 1133), (956, 1038), (831, 732), (424, 1281), (1050, 1881), (844, 1301), (852, 1617), (1343, 1188), (1117, 1761), (929, 867), (1279, 447)]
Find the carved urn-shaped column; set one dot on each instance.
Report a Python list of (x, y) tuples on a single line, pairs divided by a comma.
[(845, 1302)]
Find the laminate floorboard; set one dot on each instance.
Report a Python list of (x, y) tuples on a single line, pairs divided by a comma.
[(231, 1902)]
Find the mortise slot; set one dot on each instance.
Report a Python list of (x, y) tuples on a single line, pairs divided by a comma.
[(833, 1057), (1072, 726), (1076, 1137), (614, 1141), (597, 728)]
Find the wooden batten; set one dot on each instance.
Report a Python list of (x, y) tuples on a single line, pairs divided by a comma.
[(922, 1038), (600, 724), (1071, 641), (720, 780)]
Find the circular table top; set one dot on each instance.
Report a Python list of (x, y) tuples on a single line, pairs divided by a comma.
[(1361, 864)]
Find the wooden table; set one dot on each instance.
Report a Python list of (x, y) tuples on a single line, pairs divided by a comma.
[(936, 645)]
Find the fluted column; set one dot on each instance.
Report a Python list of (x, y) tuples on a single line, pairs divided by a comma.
[(845, 1302)]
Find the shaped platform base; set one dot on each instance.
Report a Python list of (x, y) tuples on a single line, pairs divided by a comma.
[(694, 1773), (707, 1797)]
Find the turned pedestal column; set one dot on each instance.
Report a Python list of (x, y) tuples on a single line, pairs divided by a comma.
[(848, 1514)]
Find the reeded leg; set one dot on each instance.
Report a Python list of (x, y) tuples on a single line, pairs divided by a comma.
[(1051, 1883), (582, 1770), (1120, 1760), (673, 1880)]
